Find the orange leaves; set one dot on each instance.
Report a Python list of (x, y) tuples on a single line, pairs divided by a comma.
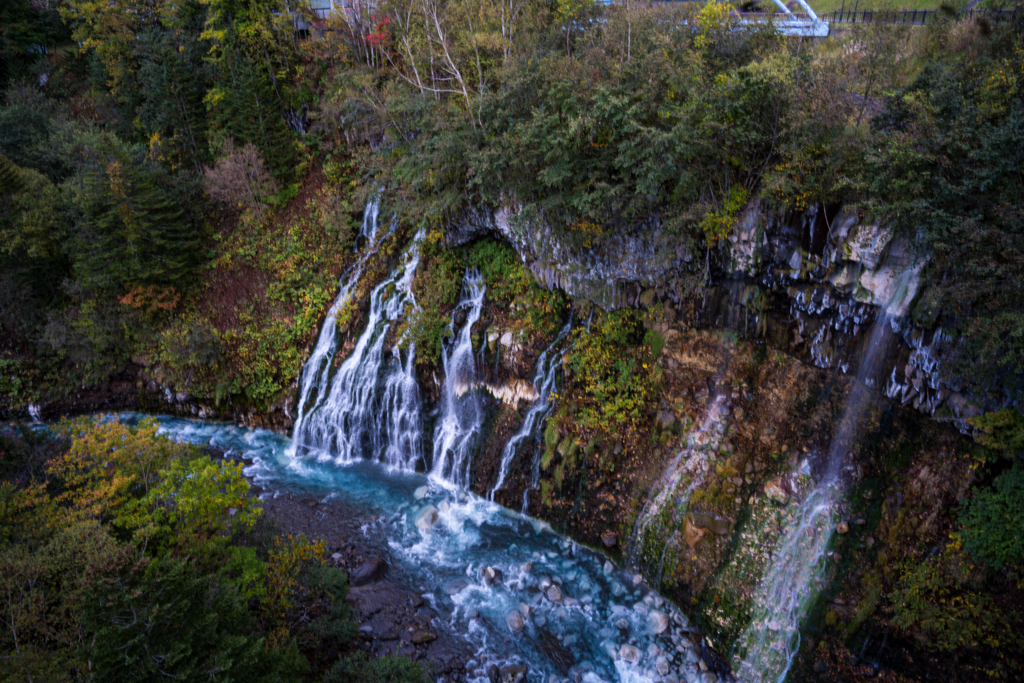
[(151, 298)]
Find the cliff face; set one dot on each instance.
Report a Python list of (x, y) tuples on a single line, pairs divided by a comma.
[(806, 283), (756, 374)]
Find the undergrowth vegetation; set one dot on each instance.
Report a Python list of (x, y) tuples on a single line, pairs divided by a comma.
[(125, 556)]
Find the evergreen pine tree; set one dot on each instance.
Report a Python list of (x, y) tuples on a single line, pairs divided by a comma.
[(134, 231)]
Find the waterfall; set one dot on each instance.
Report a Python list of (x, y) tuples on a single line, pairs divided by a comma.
[(772, 639), (691, 460), (400, 419), (461, 411), (316, 372), (544, 383), (355, 414)]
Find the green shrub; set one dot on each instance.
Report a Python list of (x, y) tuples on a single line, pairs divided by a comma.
[(436, 288), (170, 622), (932, 603), (1002, 431), (389, 669), (992, 521), (612, 375)]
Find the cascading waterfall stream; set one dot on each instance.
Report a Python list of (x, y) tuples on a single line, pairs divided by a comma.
[(316, 372), (772, 639), (544, 382), (359, 415), (441, 540), (461, 413), (691, 460)]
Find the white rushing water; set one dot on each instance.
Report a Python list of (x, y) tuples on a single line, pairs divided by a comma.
[(691, 461), (316, 372), (544, 383), (797, 569), (370, 407), (460, 413), (582, 618)]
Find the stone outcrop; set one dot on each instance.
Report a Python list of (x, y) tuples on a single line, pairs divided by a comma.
[(809, 283)]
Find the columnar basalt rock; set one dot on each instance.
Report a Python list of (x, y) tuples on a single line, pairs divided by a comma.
[(808, 283)]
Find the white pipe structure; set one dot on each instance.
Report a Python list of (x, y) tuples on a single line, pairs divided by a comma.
[(793, 25)]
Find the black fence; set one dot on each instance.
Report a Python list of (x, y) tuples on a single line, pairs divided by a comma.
[(916, 17)]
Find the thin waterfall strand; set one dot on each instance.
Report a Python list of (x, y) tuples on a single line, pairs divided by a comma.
[(316, 372), (772, 639), (701, 441), (544, 383), (461, 413)]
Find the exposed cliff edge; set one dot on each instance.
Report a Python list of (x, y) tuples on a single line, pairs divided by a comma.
[(808, 283)]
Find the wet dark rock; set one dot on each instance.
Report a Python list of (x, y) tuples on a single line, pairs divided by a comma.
[(557, 654), (368, 572), (610, 539), (718, 525), (422, 636), (490, 575), (513, 674), (371, 599)]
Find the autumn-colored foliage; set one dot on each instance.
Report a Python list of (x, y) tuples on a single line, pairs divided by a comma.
[(239, 179), (121, 560)]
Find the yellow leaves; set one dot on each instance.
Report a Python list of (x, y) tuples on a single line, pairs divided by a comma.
[(106, 465), (284, 564), (714, 19), (717, 225)]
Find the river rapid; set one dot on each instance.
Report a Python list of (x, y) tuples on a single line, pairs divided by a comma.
[(562, 610)]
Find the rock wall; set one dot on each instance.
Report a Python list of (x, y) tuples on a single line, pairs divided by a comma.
[(808, 283)]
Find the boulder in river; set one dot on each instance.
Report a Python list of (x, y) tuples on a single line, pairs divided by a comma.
[(513, 674), (491, 575), (554, 593), (453, 587), (427, 518), (629, 653), (515, 621), (368, 572), (661, 664), (657, 622)]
